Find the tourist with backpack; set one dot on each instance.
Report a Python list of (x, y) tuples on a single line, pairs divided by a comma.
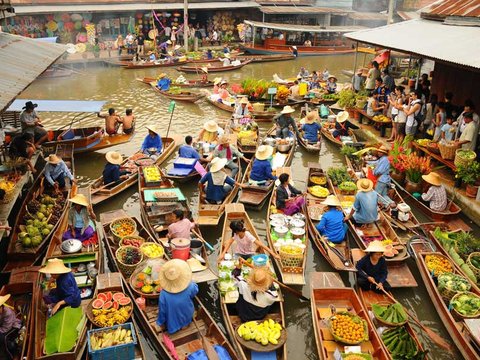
[(413, 111)]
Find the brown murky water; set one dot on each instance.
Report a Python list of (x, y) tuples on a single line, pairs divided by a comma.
[(121, 90)]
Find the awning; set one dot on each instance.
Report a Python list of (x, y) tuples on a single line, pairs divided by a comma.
[(367, 16), (22, 61), (303, 28), (302, 10), (60, 105), (429, 39), (57, 8)]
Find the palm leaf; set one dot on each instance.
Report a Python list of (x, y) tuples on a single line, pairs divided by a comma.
[(62, 330)]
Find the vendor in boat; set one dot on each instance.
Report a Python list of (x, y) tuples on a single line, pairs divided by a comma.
[(436, 195), (246, 245), (128, 122), (32, 124), (294, 50), (256, 294), (218, 184), (342, 125), (331, 85), (180, 227), (372, 269), (112, 121), (22, 148), (209, 54), (284, 121), (187, 150), (289, 199), (151, 57), (152, 144), (303, 73), (112, 172), (261, 173), (80, 217), (225, 150), (9, 327), (331, 224), (381, 170), (176, 51), (66, 291), (242, 111), (311, 127), (365, 206), (55, 173), (209, 133), (204, 78), (223, 93), (226, 60), (175, 303), (163, 82)]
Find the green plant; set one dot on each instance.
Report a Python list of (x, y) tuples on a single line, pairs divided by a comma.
[(256, 88), (348, 151), (412, 73), (338, 175), (346, 98), (470, 173)]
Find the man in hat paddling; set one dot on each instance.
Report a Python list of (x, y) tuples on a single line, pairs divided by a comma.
[(332, 225), (365, 206), (225, 150), (112, 173), (218, 184), (284, 121), (32, 124), (436, 195), (311, 127), (372, 269), (9, 327), (56, 171)]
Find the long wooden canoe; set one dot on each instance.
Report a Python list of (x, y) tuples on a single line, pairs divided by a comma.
[(181, 96), (212, 69), (130, 65), (266, 58), (313, 148), (100, 192), (186, 340), (293, 275), (86, 255), (236, 212), (249, 150), (189, 84), (220, 105), (17, 254), (339, 255), (324, 302), (328, 135)]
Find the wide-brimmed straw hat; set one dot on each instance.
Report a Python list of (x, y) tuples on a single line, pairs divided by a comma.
[(169, 42), (114, 157), (4, 298), (365, 185), (79, 199), (217, 80), (287, 110), (204, 69), (331, 200), (211, 126), (432, 178), (152, 128), (342, 116), (310, 118), (217, 164), (55, 266), (223, 82), (243, 100), (264, 152), (332, 76), (195, 265), (382, 149), (375, 246), (175, 276), (224, 139), (260, 279), (53, 159)]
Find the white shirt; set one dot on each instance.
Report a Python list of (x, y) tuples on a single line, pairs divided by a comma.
[(215, 36), (168, 31), (226, 62), (129, 39)]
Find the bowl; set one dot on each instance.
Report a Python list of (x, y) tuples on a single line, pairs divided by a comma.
[(277, 222), (297, 233), (269, 141), (283, 147), (71, 246), (280, 231)]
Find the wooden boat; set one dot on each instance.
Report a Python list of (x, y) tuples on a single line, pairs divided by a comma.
[(86, 255), (101, 192), (17, 254), (210, 214), (254, 196), (266, 58), (280, 105), (220, 105), (236, 212), (212, 69), (186, 340), (313, 148), (20, 286), (325, 301), (156, 215), (130, 65), (338, 256), (263, 116), (328, 135), (180, 96), (188, 84), (293, 274)]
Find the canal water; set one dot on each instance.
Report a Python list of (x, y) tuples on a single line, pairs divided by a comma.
[(121, 90)]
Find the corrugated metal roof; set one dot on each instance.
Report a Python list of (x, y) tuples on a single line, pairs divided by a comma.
[(430, 39), (303, 28), (22, 61), (463, 8), (302, 10), (367, 16)]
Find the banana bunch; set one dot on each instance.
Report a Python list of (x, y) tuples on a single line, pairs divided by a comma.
[(263, 333), (110, 317), (318, 191), (108, 338), (381, 118)]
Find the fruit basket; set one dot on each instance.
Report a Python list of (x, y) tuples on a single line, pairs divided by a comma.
[(142, 281), (318, 179), (152, 250), (128, 257), (447, 151), (291, 258), (124, 350), (464, 157), (449, 284), (348, 328), (318, 191), (123, 227), (473, 261), (109, 309), (9, 188), (261, 336), (465, 305), (132, 240), (438, 264)]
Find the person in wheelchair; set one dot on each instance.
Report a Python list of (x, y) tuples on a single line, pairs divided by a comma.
[(9, 328)]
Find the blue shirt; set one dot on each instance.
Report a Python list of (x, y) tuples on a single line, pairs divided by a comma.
[(67, 290), (152, 142), (382, 169), (53, 172), (186, 151), (261, 171), (310, 132), (175, 311), (446, 129), (379, 272), (164, 84), (366, 207), (213, 192), (332, 226), (111, 173)]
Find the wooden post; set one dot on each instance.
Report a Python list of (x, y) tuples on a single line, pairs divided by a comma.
[(355, 60), (253, 36), (185, 25)]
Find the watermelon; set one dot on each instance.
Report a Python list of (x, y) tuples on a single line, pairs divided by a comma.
[(115, 305), (124, 301), (109, 295), (107, 305), (117, 296), (97, 303), (102, 297)]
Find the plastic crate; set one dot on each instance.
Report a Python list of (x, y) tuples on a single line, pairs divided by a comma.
[(184, 163), (117, 352)]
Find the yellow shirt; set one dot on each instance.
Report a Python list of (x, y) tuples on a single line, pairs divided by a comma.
[(470, 134)]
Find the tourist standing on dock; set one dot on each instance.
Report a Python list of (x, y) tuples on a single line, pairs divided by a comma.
[(439, 121), (412, 111), (358, 80), (140, 44), (32, 124), (395, 101), (468, 139), (373, 73)]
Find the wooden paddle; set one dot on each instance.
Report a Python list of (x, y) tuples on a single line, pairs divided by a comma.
[(437, 339), (207, 346)]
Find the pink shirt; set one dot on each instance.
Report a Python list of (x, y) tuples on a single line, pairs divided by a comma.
[(180, 229), (245, 244)]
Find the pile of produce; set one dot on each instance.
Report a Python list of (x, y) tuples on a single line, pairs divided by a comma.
[(282, 93), (292, 249), (263, 333), (129, 255), (135, 241), (348, 328), (41, 216), (152, 174), (338, 175), (348, 187), (6, 185), (453, 282), (381, 118), (466, 154), (475, 261), (356, 357), (107, 338), (346, 98), (391, 314), (330, 97), (438, 264), (152, 250), (110, 309), (318, 191), (423, 142), (392, 250), (146, 281), (466, 304), (123, 227), (401, 345), (318, 179)]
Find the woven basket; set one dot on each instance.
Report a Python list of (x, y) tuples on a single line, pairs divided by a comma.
[(116, 223), (149, 243), (460, 161), (433, 149), (8, 196), (291, 263), (461, 316), (381, 321), (132, 237), (447, 151), (344, 341), (448, 294), (127, 269), (475, 270)]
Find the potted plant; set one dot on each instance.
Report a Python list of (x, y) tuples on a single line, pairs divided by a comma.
[(415, 167), (346, 99), (470, 176), (396, 158)]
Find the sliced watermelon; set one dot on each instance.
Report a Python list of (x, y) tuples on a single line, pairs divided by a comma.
[(97, 303), (115, 305), (102, 297), (124, 301), (117, 296), (107, 305), (109, 295)]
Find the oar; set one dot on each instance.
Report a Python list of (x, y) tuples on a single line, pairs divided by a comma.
[(207, 346), (293, 291), (437, 339), (210, 247)]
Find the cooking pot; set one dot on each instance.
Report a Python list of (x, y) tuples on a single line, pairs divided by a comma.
[(71, 246), (277, 222), (269, 141), (297, 233), (280, 231), (284, 147), (297, 223)]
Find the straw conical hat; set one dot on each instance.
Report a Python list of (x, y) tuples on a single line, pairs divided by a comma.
[(264, 152), (175, 276), (211, 126), (287, 110), (365, 185), (259, 279), (114, 157), (217, 164), (79, 199), (53, 159), (4, 298), (152, 128), (331, 200), (432, 178), (55, 266), (342, 116)]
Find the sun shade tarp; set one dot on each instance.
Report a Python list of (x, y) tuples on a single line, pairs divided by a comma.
[(60, 105)]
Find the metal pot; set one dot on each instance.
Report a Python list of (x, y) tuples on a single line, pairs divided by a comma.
[(284, 147), (277, 222), (297, 233), (280, 231), (269, 141), (71, 246)]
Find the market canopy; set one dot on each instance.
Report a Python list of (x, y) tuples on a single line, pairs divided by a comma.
[(60, 105), (22, 61), (302, 10), (303, 28)]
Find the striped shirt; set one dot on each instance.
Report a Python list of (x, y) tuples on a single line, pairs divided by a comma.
[(437, 195)]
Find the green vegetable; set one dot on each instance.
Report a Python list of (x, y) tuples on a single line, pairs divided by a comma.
[(453, 282), (63, 330), (347, 186), (401, 345), (467, 304), (338, 175), (393, 313)]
